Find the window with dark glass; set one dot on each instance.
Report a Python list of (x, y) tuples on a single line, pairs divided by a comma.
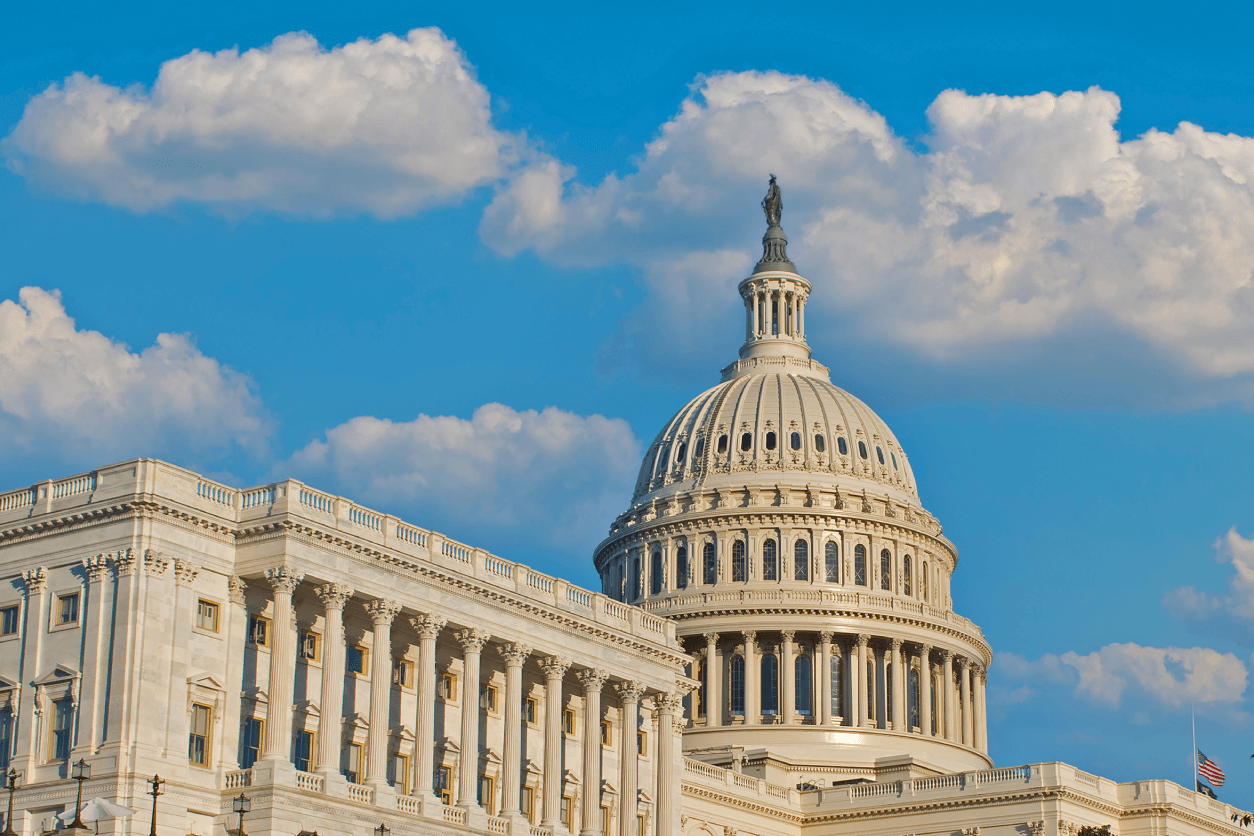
[(736, 685), (842, 446), (352, 770), (746, 442), (633, 592), (906, 575), (880, 454), (722, 443), (8, 620), (770, 685), (859, 565), (6, 737), (870, 692), (831, 560), (62, 722), (67, 608), (709, 568), (774, 317), (770, 561), (655, 573), (679, 454), (770, 441), (819, 444), (304, 751), (924, 580), (888, 687), (886, 570), (259, 630), (738, 561), (862, 449), (700, 672), (696, 454), (251, 742), (355, 659), (444, 787), (795, 441), (894, 458), (801, 561), (681, 567), (803, 691), (836, 692), (912, 699), (198, 738)]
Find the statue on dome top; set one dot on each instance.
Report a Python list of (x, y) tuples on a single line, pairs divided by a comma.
[(772, 205)]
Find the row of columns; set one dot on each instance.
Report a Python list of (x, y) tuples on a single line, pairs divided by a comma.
[(774, 312), (283, 581), (961, 700)]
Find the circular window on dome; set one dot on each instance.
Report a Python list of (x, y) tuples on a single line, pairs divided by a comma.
[(683, 448), (862, 449), (819, 445), (795, 442), (880, 453), (722, 443), (746, 442), (894, 458), (842, 446), (770, 441)]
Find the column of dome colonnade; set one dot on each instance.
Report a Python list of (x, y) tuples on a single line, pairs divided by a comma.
[(606, 697), (776, 519)]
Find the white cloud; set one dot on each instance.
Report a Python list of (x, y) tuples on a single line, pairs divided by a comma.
[(1190, 604), (536, 480), (73, 390), (383, 126), (1026, 218)]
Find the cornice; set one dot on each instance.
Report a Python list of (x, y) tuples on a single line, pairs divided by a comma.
[(731, 800)]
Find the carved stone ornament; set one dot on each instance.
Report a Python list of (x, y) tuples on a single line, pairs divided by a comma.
[(155, 563), (283, 579), (591, 679), (334, 595), (97, 567), (554, 667), (728, 830), (237, 586), (629, 692), (382, 611), (514, 653), (971, 831), (428, 626), (473, 639), (36, 580), (1036, 828), (125, 563), (185, 572)]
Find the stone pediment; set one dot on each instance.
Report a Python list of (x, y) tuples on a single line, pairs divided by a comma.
[(59, 674)]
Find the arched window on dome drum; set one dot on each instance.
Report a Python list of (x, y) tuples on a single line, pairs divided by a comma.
[(907, 576), (912, 700), (696, 454), (888, 690), (770, 441), (681, 567), (746, 442), (655, 573), (634, 592), (880, 454), (894, 458), (859, 565), (801, 561), (819, 444), (795, 441), (936, 698), (679, 454), (774, 317), (803, 690), (722, 443), (770, 561), (700, 670), (709, 569), (923, 575), (842, 446), (862, 449), (871, 697), (738, 561), (834, 673), (736, 685), (831, 560), (770, 685), (886, 570)]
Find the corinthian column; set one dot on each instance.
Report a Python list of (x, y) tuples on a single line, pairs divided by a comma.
[(515, 655), (381, 613), (951, 730), (670, 711), (789, 709), (591, 682), (752, 693), (282, 664), (472, 642), (428, 627), (964, 686), (925, 686), (900, 721), (825, 678), (860, 679), (628, 756), (554, 668), (331, 700), (713, 669), (981, 716)]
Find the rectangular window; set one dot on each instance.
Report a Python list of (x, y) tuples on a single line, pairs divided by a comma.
[(6, 737), (487, 794), (62, 723), (198, 739), (568, 812), (403, 674), (8, 620), (67, 609), (607, 733), (352, 769), (529, 710), (568, 722), (400, 774), (488, 698), (304, 751), (447, 688), (311, 647), (528, 804), (207, 615), (254, 732), (259, 630), (642, 743), (357, 660), (444, 784)]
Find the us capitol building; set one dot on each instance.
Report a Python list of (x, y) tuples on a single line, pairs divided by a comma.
[(773, 652)]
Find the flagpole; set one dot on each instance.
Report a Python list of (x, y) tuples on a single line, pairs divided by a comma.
[(1193, 719)]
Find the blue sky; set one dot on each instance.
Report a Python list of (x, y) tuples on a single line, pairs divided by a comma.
[(463, 275)]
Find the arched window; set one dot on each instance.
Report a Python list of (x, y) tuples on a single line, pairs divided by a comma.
[(722, 443), (746, 442), (836, 689), (681, 567), (819, 444), (871, 696), (907, 567), (795, 442), (842, 446), (770, 441), (738, 561), (886, 570), (912, 699), (831, 558), (655, 573), (696, 454), (801, 561), (770, 685), (736, 685), (859, 565), (679, 454), (936, 698), (774, 317), (879, 453), (709, 568), (634, 592), (888, 690), (862, 449), (894, 458), (803, 690), (924, 576), (770, 561)]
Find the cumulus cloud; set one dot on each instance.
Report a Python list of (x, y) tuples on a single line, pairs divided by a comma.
[(79, 391), (1170, 676), (1236, 604), (1025, 219), (505, 479), (384, 126)]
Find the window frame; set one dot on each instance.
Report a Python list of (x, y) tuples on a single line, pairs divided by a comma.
[(447, 687), (364, 653), (403, 673), (607, 733), (260, 722), (354, 751), (570, 723), (308, 639), (831, 561), (886, 570), (860, 566), (58, 598), (801, 560), (490, 698), (531, 711), (57, 753), (206, 742), (709, 564), (313, 749), (770, 560), (16, 609), (217, 616), (255, 621)]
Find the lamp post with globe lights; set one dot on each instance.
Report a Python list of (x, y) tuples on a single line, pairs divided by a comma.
[(154, 789), (11, 783), (80, 772), (240, 804)]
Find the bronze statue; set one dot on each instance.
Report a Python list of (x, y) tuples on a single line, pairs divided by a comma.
[(772, 205)]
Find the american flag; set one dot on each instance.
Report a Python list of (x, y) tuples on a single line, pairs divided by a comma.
[(1209, 770)]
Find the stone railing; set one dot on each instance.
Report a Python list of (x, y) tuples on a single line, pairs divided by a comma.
[(360, 794), (497, 825), (739, 784), (311, 782), (235, 780)]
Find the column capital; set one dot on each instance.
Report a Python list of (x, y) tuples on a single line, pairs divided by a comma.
[(334, 595), (788, 634), (125, 562), (863, 639), (629, 692), (825, 636), (282, 579), (185, 572), (896, 644), (963, 662), (36, 580), (710, 637), (155, 563), (236, 590), (472, 639), (668, 703), (925, 648), (382, 611), (750, 635), (554, 667), (97, 567), (591, 679), (947, 655), (428, 626), (514, 653)]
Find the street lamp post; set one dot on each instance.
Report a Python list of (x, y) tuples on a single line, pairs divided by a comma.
[(240, 804), (80, 772), (8, 820), (382, 830), (154, 789)]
